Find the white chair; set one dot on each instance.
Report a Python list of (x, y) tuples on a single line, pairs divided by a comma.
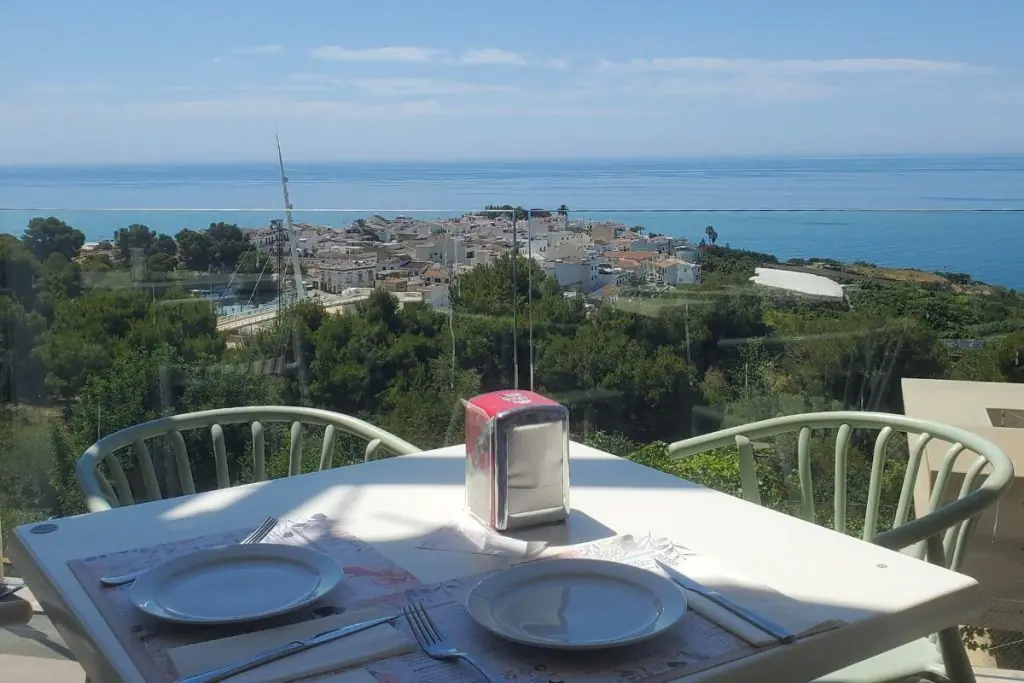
[(105, 491), (939, 532)]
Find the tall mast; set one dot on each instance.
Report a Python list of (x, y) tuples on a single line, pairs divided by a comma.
[(300, 287)]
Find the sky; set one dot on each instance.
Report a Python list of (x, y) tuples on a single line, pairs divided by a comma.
[(123, 81)]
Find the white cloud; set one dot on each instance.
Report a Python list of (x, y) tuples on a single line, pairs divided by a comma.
[(793, 67), (426, 86), (184, 88), (487, 56), (268, 108), (766, 80), (404, 53), (269, 49), (71, 88), (492, 56), (763, 88), (384, 87)]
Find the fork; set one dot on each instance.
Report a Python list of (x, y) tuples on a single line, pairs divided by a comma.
[(434, 643), (258, 534)]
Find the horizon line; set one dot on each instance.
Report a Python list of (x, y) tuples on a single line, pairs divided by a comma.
[(523, 160)]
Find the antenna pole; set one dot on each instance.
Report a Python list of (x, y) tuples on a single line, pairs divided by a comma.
[(515, 292), (529, 291), (452, 275)]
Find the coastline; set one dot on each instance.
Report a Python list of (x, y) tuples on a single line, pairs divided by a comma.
[(968, 210)]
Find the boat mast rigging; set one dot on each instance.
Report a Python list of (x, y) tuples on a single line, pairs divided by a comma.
[(300, 288)]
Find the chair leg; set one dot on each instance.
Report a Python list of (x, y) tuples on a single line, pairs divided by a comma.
[(951, 645), (954, 656)]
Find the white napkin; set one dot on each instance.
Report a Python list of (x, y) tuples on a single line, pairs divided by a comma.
[(349, 651), (796, 616), (466, 535)]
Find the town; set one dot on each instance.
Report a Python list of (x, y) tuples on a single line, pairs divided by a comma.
[(420, 258)]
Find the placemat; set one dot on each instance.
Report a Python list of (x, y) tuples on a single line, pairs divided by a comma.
[(369, 575), (694, 644)]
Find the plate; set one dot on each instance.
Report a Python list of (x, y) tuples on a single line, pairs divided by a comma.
[(576, 604), (235, 583)]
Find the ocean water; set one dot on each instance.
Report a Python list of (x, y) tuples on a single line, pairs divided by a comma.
[(962, 213)]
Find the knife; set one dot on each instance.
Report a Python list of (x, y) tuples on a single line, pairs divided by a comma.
[(228, 670), (780, 633)]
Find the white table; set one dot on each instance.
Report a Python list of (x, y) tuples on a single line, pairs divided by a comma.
[(887, 598)]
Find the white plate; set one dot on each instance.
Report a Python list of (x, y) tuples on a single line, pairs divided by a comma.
[(576, 604), (235, 583)]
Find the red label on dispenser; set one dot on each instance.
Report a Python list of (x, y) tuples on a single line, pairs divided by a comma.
[(497, 402)]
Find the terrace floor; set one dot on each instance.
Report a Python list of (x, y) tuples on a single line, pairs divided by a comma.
[(34, 652)]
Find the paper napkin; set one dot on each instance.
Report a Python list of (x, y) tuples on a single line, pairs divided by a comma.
[(796, 616)]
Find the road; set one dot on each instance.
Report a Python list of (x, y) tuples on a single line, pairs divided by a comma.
[(332, 303)]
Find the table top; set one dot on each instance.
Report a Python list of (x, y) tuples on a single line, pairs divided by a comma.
[(886, 598)]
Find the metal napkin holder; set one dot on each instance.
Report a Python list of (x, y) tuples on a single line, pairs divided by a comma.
[(517, 459)]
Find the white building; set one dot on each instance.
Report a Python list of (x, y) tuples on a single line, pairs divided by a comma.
[(662, 245), (580, 274), (687, 252), (335, 279), (557, 238), (671, 271), (436, 296), (443, 249)]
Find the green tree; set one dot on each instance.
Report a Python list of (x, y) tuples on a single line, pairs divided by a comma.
[(143, 385), (159, 264), (21, 374), (195, 250), (228, 243), (59, 280), (164, 244), (136, 238), (505, 211), (488, 290), (18, 270), (45, 236), (90, 332)]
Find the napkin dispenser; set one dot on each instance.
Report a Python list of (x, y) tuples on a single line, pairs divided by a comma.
[(517, 459)]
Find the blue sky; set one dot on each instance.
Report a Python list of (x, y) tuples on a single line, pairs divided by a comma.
[(210, 80)]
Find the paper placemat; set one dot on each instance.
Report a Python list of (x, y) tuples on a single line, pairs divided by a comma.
[(696, 643), (369, 575), (700, 640)]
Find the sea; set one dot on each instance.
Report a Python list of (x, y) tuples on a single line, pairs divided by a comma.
[(946, 213)]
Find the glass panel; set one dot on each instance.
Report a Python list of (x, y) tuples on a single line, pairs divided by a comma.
[(651, 325)]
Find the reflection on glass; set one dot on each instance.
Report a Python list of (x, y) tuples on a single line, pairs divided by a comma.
[(649, 326)]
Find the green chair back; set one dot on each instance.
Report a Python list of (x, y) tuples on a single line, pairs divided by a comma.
[(103, 491)]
